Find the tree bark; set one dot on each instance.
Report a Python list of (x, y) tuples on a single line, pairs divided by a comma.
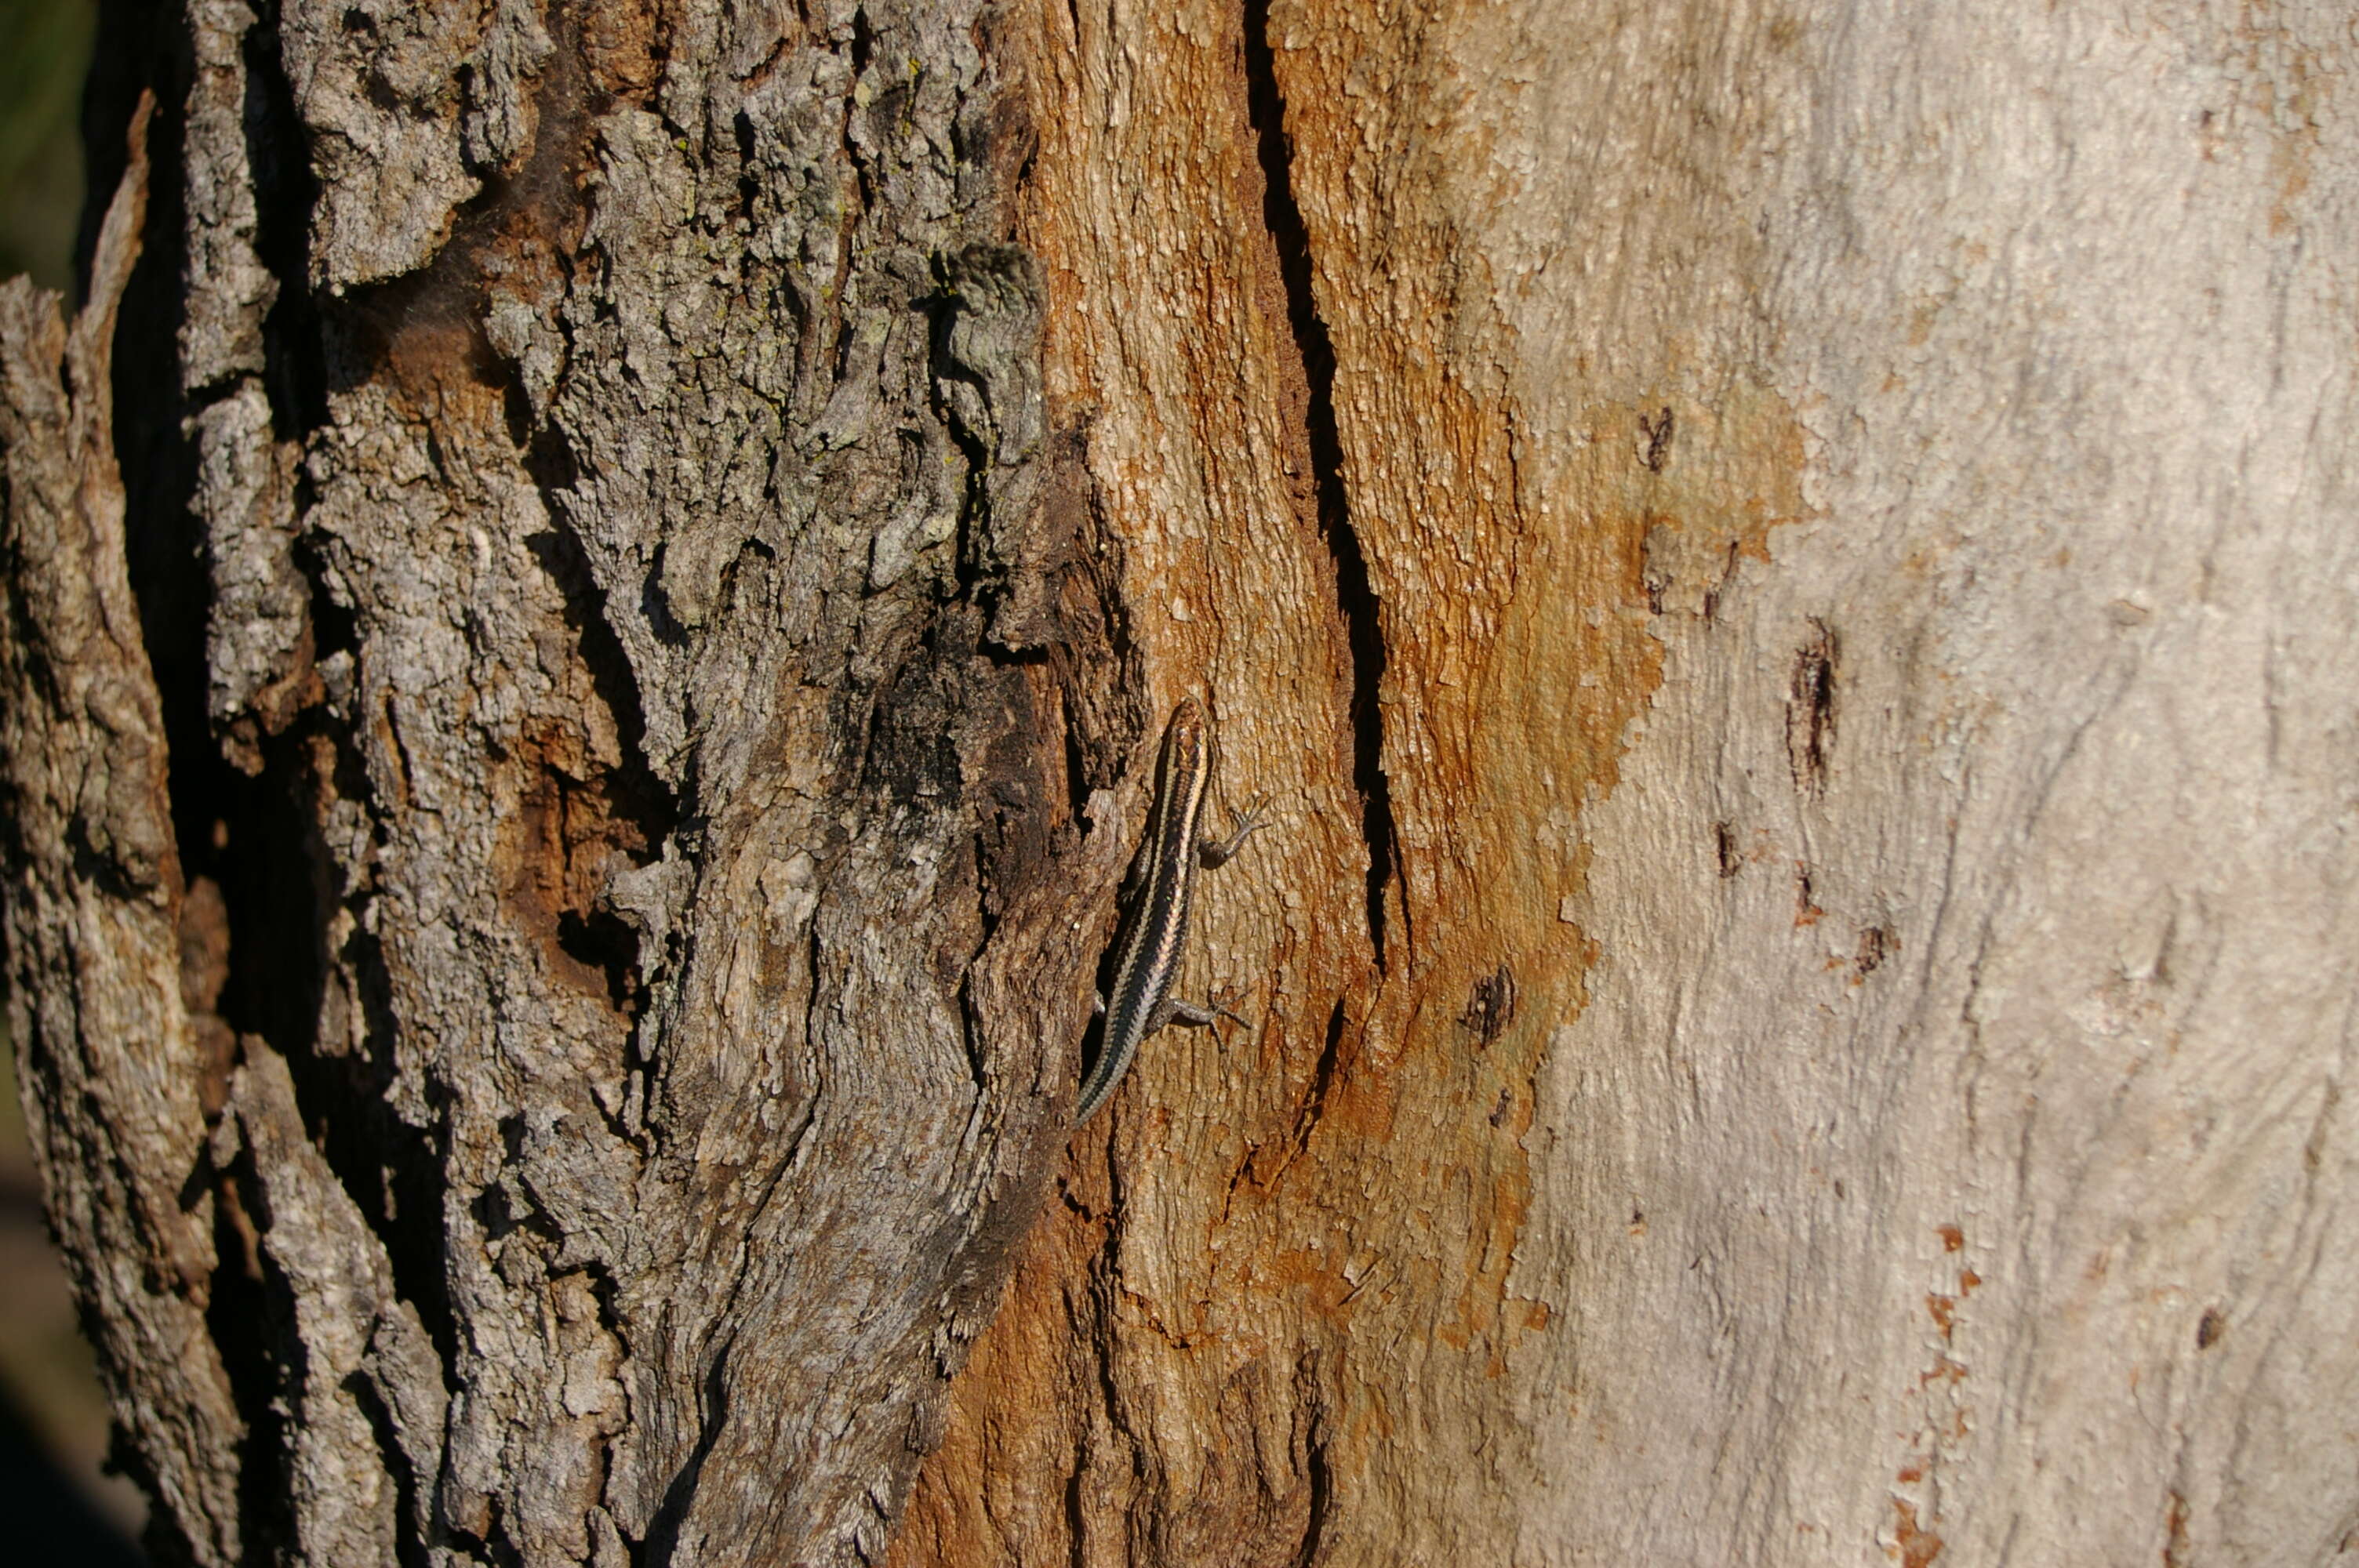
[(1781, 573)]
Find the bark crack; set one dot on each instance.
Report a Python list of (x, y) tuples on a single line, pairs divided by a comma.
[(1362, 614), (662, 1541), (1811, 711)]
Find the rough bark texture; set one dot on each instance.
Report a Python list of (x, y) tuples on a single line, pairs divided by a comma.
[(111, 1069), (1779, 569), (632, 738)]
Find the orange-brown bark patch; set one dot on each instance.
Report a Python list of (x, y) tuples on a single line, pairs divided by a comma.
[(1913, 1547)]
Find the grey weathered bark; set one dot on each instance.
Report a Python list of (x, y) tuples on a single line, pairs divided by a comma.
[(617, 713), (1782, 569)]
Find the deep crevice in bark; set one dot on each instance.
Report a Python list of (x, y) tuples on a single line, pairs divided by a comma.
[(975, 503), (856, 56), (1362, 614), (908, 724), (243, 1321), (663, 1531), (141, 45), (1322, 1075), (634, 792), (295, 373), (1316, 1465), (393, 1171), (162, 536), (1074, 1516), (409, 1547)]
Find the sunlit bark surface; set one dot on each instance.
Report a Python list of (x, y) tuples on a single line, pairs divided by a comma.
[(590, 591)]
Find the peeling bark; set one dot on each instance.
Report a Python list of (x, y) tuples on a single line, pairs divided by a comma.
[(1787, 594)]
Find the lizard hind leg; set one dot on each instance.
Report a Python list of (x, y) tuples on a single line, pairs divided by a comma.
[(1213, 853), (1194, 1015)]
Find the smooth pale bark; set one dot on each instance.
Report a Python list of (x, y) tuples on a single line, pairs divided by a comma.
[(1856, 504), (1780, 571)]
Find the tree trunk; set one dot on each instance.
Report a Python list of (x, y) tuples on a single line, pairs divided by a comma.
[(1779, 571)]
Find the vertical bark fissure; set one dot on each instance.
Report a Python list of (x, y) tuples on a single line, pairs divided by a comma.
[(295, 366), (1317, 1466), (231, 826), (391, 1171), (1363, 615), (663, 1532)]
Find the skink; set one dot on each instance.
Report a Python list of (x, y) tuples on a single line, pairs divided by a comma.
[(1155, 930)]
